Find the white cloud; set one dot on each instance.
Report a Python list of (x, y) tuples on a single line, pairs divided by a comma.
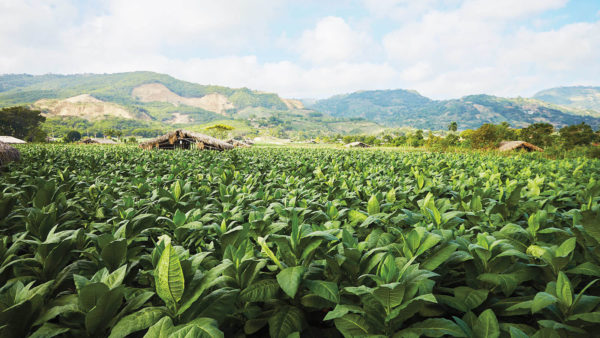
[(333, 40), (483, 47), (284, 77), (442, 48)]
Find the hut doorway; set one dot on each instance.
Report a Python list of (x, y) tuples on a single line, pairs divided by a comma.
[(184, 143)]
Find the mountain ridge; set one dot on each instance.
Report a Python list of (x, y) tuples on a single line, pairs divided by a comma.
[(159, 100)]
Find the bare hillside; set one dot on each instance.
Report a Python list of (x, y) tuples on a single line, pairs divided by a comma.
[(156, 92), (87, 107), (293, 104)]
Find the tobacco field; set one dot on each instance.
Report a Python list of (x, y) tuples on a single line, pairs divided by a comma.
[(120, 242)]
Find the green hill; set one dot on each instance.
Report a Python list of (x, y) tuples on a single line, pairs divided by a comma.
[(147, 103), (409, 108), (580, 97)]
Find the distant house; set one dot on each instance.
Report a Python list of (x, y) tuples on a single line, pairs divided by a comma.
[(98, 141), (518, 145), (11, 140), (357, 145)]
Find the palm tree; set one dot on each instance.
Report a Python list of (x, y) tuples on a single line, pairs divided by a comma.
[(453, 126)]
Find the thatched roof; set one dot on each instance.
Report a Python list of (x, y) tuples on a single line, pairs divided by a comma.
[(513, 145), (168, 141), (357, 145), (237, 143), (11, 140), (92, 140), (8, 154)]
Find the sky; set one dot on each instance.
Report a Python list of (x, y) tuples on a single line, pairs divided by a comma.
[(314, 48)]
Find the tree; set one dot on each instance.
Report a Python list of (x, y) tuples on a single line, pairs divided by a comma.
[(21, 122), (578, 134), (73, 136), (118, 133), (220, 130), (539, 134), (485, 136), (489, 135), (453, 126)]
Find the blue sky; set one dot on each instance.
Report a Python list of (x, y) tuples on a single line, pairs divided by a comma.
[(314, 49)]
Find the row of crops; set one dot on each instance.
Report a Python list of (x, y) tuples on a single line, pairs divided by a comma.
[(98, 242)]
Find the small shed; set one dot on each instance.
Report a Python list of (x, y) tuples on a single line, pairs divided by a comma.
[(183, 139), (357, 145), (8, 154), (11, 140), (92, 140), (518, 145)]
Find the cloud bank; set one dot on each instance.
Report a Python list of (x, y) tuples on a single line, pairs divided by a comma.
[(441, 48)]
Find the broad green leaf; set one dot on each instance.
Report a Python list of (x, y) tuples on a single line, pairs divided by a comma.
[(373, 205), (179, 218), (434, 327), (285, 321), (341, 310), (471, 298), (209, 279), (592, 317), (327, 290), (253, 325), (199, 328), (197, 331), (389, 295), (516, 333), (487, 325), (356, 216), (564, 291), (265, 248), (161, 329), (114, 253), (430, 241), (352, 325), (90, 294), (260, 291), (48, 330), (176, 190), (390, 197), (116, 277), (507, 282), (439, 257), (137, 321), (289, 279), (169, 277), (541, 301), (589, 221), (586, 268), (566, 247), (106, 308), (551, 324)]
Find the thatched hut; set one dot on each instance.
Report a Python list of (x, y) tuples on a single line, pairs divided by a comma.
[(11, 140), (238, 143), (518, 145), (357, 145), (92, 140), (183, 139), (8, 154)]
